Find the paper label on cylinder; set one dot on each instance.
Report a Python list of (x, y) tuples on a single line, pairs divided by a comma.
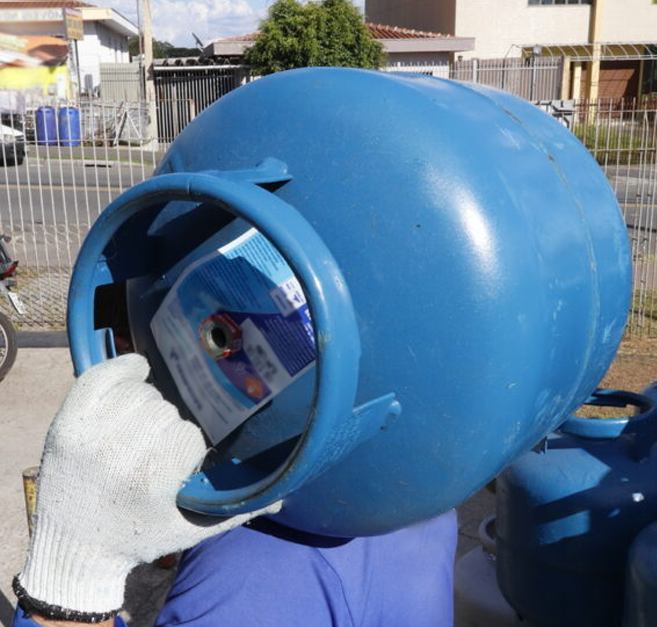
[(248, 295)]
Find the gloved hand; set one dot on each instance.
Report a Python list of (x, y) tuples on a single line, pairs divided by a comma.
[(114, 459)]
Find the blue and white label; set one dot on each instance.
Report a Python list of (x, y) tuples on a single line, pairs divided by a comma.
[(248, 281)]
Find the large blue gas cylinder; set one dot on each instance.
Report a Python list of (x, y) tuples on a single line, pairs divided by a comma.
[(568, 511), (640, 603), (372, 290)]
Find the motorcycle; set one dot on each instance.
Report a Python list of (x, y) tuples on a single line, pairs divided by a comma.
[(8, 338)]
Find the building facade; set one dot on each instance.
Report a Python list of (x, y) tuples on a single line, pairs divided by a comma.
[(609, 46), (95, 35), (407, 49)]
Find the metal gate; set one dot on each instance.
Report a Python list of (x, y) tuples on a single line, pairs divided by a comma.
[(184, 91)]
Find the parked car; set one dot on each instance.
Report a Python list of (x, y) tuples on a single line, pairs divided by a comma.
[(12, 140)]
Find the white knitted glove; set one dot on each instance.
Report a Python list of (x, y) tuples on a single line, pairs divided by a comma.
[(114, 459)]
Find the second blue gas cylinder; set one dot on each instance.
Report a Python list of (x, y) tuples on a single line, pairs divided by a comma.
[(568, 511)]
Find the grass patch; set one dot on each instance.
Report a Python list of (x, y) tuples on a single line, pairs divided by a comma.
[(643, 314), (618, 144)]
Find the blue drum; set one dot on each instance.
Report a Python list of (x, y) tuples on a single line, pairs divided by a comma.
[(373, 291), (68, 123), (45, 123)]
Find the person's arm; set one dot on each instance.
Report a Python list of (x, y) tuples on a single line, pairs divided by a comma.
[(115, 457)]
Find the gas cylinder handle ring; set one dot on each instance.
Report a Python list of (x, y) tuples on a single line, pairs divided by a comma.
[(606, 428), (336, 331)]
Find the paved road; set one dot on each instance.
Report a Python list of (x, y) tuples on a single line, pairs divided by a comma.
[(636, 191), (58, 192)]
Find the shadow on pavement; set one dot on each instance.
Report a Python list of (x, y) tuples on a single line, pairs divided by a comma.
[(6, 611), (42, 339)]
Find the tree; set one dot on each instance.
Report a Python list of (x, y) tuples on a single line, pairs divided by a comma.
[(326, 33), (162, 49)]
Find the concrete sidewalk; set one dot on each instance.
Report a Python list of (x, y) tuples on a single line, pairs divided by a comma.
[(31, 394)]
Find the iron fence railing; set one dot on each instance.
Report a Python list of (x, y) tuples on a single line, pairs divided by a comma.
[(532, 78), (49, 202), (622, 136), (181, 91)]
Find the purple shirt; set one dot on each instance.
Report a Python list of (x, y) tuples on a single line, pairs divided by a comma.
[(265, 575)]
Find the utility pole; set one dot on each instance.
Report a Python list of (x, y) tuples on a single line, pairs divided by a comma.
[(149, 78)]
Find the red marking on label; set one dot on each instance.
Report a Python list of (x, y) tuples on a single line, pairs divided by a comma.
[(254, 387)]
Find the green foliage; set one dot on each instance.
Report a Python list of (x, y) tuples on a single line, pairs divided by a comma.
[(162, 49), (326, 33)]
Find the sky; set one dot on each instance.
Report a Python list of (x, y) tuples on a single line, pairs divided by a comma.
[(175, 20)]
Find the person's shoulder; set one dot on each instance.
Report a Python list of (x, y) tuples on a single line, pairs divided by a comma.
[(246, 573), (258, 548)]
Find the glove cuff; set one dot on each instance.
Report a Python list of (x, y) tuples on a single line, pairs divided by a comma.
[(55, 612), (66, 580)]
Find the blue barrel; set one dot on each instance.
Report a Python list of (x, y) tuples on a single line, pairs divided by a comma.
[(374, 291), (46, 126), (568, 511), (68, 123)]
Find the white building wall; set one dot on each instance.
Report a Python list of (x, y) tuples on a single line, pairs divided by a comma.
[(500, 26), (100, 45), (628, 20)]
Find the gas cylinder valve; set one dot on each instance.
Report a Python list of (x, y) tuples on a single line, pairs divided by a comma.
[(221, 336)]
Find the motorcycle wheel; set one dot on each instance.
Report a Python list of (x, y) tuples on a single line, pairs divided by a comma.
[(8, 345)]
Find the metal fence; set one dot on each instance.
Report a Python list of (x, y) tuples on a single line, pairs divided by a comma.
[(532, 78), (622, 136), (121, 82), (181, 91), (49, 202)]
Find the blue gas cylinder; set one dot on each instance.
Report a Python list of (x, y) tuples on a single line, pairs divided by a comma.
[(372, 290), (640, 604), (568, 511)]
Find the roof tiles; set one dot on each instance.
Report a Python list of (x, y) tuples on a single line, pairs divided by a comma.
[(381, 31), (44, 4), (378, 31)]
